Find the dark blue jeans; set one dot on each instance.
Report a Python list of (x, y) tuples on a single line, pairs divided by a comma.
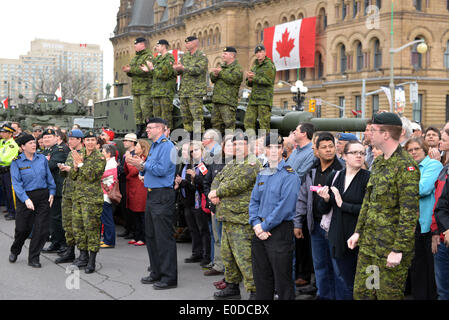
[(441, 261), (107, 219), (344, 269), (329, 283)]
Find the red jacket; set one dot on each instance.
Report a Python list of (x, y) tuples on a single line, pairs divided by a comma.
[(439, 185), (136, 193)]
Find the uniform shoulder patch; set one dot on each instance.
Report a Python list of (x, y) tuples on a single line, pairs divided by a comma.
[(11, 146), (411, 168), (164, 140), (289, 169), (16, 158)]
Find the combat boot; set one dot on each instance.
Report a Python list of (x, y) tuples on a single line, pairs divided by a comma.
[(91, 264), (232, 291), (82, 260), (68, 256)]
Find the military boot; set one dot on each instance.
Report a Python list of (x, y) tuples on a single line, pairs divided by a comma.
[(82, 260), (91, 264), (68, 256), (232, 291)]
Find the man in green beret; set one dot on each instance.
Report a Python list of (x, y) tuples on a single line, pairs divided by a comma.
[(386, 225), (227, 79), (141, 84), (261, 80)]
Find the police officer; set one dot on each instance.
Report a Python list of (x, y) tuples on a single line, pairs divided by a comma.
[(55, 155), (141, 84), (227, 79), (8, 151), (158, 173), (271, 211), (75, 143), (87, 171), (193, 68), (231, 192), (164, 82), (261, 80), (35, 189), (386, 224)]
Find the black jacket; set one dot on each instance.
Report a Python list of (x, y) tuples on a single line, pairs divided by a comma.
[(213, 170), (442, 209), (344, 219)]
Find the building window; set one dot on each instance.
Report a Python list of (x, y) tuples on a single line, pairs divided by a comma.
[(355, 8), (358, 105), (286, 75), (446, 55), (343, 10), (365, 6), (416, 57), (320, 66), (418, 4), (302, 74), (359, 57), (341, 103), (343, 59), (285, 102), (447, 4), (417, 109), (375, 103), (447, 103), (377, 55)]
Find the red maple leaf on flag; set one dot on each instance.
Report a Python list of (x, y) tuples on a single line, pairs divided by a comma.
[(285, 46)]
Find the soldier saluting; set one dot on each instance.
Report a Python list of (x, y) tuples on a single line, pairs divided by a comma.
[(386, 224)]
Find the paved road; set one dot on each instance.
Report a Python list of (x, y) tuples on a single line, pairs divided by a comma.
[(117, 276)]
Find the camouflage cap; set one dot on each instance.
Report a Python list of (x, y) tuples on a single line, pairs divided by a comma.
[(48, 132), (260, 47), (140, 39), (191, 38), (38, 128), (273, 138), (229, 49), (387, 118)]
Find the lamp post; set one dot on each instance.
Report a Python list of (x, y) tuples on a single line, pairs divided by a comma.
[(422, 48), (299, 91)]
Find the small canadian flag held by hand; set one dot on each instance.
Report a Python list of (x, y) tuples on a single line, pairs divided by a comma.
[(202, 168), (58, 93)]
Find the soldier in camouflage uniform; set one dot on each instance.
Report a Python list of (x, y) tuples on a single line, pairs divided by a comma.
[(76, 143), (141, 84), (87, 197), (164, 83), (261, 80), (193, 68), (227, 79), (386, 224), (231, 193)]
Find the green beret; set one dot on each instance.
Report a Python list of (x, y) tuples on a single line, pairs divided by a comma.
[(48, 132), (90, 134), (387, 118), (260, 47), (229, 49)]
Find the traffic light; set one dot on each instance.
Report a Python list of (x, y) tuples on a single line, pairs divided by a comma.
[(312, 104)]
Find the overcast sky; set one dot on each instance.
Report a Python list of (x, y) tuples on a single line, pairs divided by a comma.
[(75, 21)]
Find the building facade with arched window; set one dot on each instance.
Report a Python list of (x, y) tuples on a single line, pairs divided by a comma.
[(348, 48)]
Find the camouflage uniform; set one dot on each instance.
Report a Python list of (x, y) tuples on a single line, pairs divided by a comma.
[(164, 86), (225, 96), (67, 190), (387, 222), (141, 86), (234, 185), (87, 200), (261, 98), (193, 88)]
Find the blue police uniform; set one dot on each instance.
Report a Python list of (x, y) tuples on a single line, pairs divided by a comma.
[(273, 204), (159, 175), (32, 180)]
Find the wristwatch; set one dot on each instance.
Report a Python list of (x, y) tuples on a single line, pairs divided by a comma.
[(80, 165), (141, 166)]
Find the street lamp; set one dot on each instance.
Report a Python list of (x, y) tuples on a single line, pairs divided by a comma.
[(299, 91), (422, 48)]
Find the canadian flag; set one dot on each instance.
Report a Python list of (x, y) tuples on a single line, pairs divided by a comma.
[(177, 55), (291, 45), (202, 168), (5, 103), (58, 93)]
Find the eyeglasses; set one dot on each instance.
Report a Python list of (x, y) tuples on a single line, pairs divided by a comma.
[(413, 150), (360, 153)]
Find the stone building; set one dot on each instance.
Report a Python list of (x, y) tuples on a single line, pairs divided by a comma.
[(352, 44)]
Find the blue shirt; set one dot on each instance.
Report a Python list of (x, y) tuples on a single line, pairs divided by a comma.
[(274, 196), (301, 159), (29, 175), (429, 170), (160, 166)]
